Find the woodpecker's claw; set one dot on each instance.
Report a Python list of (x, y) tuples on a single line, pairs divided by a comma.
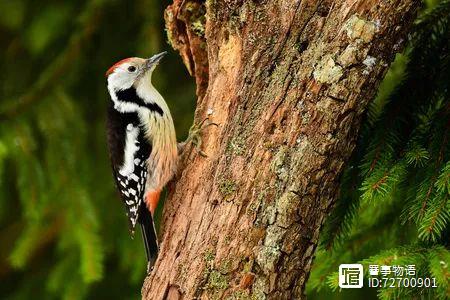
[(194, 136)]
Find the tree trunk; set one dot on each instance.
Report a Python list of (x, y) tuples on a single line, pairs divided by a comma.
[(288, 83)]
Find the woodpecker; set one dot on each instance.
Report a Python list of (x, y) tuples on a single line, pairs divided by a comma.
[(142, 143)]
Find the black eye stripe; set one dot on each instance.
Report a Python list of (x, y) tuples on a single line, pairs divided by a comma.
[(131, 68)]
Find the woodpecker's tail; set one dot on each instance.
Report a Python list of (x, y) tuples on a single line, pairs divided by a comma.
[(149, 237)]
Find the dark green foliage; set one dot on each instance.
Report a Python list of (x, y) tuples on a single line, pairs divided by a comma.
[(64, 233), (394, 207)]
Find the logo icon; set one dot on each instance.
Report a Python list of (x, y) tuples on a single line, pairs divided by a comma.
[(351, 276)]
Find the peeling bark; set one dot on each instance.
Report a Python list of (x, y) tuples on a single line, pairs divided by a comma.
[(185, 26), (288, 83)]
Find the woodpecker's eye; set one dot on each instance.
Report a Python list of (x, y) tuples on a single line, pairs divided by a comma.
[(131, 69)]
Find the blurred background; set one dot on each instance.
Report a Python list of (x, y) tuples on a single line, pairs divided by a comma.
[(63, 232)]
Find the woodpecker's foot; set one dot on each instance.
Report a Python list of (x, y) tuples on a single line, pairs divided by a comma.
[(195, 138)]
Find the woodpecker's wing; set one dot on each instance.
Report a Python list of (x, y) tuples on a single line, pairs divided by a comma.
[(132, 188), (129, 151)]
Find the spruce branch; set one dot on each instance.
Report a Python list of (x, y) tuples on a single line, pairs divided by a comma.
[(89, 19)]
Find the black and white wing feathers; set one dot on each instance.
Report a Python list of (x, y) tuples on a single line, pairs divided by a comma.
[(132, 188), (129, 151)]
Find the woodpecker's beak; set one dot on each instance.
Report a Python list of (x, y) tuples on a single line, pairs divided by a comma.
[(154, 60)]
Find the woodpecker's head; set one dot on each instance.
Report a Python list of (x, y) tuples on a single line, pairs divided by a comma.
[(130, 71)]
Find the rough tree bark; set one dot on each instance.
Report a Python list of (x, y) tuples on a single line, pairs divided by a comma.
[(288, 82)]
